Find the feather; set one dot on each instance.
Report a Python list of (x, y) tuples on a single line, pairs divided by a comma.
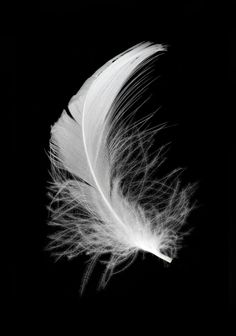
[(104, 198)]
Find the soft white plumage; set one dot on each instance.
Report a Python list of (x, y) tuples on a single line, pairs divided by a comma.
[(104, 198)]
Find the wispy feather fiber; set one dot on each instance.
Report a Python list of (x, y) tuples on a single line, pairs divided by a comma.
[(105, 200)]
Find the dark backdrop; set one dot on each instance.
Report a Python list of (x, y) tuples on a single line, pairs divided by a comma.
[(53, 51)]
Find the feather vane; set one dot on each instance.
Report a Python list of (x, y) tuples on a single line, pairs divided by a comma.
[(104, 199)]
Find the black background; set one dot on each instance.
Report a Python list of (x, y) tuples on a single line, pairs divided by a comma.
[(52, 52)]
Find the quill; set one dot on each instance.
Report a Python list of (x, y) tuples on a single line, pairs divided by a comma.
[(104, 199)]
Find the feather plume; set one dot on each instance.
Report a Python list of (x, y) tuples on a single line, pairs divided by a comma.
[(105, 201)]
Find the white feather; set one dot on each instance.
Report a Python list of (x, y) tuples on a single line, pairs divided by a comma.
[(104, 198)]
